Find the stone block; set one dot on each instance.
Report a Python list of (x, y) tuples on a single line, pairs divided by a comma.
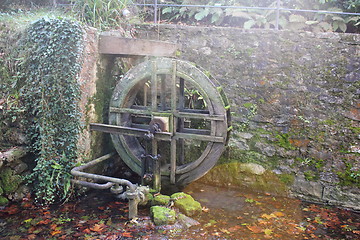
[(162, 215)]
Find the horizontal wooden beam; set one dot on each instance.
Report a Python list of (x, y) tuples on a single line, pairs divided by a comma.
[(135, 47)]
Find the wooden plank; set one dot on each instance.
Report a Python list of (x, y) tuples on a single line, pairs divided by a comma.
[(199, 137), (200, 116), (136, 132), (138, 47)]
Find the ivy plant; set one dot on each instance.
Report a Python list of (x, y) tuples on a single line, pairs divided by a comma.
[(51, 51)]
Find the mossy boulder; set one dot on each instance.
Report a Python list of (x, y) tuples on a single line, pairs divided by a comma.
[(186, 204), (9, 180), (161, 200), (3, 201), (162, 215)]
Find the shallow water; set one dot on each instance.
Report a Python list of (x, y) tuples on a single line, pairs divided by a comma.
[(227, 214)]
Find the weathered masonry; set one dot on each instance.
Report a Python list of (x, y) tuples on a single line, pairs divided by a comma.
[(295, 106)]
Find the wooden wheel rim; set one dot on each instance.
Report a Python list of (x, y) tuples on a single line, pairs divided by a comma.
[(121, 111)]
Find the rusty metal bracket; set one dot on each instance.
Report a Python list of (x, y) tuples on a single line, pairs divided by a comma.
[(134, 193)]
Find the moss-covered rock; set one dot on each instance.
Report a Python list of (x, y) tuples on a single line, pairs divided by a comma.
[(186, 204), (3, 201), (161, 200), (162, 215), (9, 180)]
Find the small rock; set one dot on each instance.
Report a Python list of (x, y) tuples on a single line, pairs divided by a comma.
[(20, 193), (252, 168), (245, 135), (14, 153), (162, 215), (186, 221), (161, 200), (20, 167), (186, 204)]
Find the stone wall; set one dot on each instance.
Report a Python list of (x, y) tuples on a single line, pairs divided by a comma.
[(295, 103)]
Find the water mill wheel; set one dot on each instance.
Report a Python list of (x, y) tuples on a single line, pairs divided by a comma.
[(184, 109)]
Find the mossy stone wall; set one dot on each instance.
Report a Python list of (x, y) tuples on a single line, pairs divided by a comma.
[(295, 103)]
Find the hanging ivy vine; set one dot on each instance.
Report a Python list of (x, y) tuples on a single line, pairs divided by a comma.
[(52, 49)]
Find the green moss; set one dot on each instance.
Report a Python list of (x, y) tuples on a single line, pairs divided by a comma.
[(311, 175), (161, 200), (3, 201), (349, 176), (288, 179), (186, 204), (249, 105), (9, 180), (284, 142), (162, 215)]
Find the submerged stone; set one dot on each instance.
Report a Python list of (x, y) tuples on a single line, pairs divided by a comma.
[(186, 204), (186, 221), (162, 215)]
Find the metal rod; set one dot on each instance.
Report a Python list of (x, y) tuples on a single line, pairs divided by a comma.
[(155, 11), (277, 14)]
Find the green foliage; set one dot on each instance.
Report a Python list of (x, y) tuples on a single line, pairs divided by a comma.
[(311, 175), (102, 14), (284, 142), (50, 92), (258, 18)]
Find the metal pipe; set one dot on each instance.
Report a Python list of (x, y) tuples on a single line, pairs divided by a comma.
[(77, 171), (277, 14), (93, 185), (134, 193), (155, 11)]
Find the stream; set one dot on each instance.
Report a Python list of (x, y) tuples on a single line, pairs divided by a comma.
[(227, 214)]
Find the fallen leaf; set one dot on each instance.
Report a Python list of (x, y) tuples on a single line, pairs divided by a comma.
[(87, 231), (268, 231), (279, 214), (56, 232), (205, 209), (254, 228), (127, 234), (44, 222), (53, 226), (98, 228), (31, 236), (224, 230), (268, 216), (234, 228)]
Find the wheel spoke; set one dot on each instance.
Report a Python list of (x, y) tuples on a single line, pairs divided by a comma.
[(172, 161)]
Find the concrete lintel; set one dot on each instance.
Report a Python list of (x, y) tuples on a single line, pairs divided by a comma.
[(136, 47)]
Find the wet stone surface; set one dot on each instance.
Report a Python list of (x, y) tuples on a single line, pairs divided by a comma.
[(227, 214)]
